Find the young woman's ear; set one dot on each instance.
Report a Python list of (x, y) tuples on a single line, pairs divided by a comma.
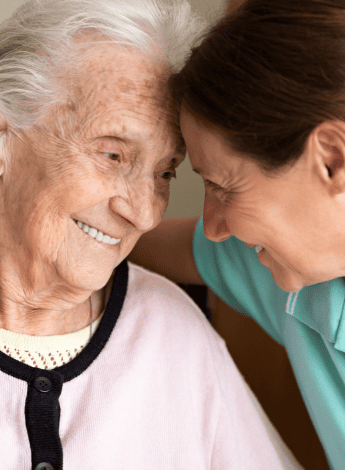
[(327, 146)]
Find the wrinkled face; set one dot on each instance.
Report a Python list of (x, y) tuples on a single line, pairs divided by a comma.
[(290, 215), (103, 158)]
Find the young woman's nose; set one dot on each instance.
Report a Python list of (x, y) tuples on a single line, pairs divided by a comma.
[(214, 219)]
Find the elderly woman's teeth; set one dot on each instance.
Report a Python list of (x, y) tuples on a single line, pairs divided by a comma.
[(258, 248), (99, 236)]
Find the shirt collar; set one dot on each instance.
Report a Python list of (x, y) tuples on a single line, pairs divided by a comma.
[(321, 307)]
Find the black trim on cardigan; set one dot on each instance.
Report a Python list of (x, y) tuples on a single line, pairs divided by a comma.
[(42, 408), (92, 349), (42, 418)]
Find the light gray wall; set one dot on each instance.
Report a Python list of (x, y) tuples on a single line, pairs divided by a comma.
[(187, 191)]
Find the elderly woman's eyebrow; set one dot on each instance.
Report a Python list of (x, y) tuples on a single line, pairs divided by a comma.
[(127, 137), (175, 161), (176, 156), (180, 150)]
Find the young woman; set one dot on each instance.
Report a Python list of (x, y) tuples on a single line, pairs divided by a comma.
[(262, 111)]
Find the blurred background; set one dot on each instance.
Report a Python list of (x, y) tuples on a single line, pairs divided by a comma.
[(187, 191)]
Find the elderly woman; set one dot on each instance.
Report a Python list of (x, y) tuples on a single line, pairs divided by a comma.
[(263, 116), (103, 364)]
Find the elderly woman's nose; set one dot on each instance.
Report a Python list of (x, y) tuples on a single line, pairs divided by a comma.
[(216, 227), (138, 207)]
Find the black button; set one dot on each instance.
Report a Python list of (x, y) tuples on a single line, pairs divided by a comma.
[(42, 384), (44, 466)]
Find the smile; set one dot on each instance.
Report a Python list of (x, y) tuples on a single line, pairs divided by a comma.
[(258, 248), (97, 235)]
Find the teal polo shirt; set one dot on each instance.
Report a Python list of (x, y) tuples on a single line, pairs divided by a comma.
[(309, 324)]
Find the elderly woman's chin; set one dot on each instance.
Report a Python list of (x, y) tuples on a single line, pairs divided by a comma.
[(85, 274), (81, 260), (89, 265)]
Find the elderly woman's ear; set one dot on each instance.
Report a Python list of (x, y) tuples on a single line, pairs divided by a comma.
[(326, 147)]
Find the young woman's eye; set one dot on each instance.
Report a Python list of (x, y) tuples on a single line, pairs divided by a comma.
[(111, 156), (211, 185), (214, 188)]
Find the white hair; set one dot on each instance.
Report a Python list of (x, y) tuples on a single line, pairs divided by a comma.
[(40, 34)]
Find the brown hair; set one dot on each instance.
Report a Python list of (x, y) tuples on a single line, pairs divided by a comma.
[(268, 74)]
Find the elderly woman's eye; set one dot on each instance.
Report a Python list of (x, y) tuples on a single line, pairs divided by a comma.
[(111, 156), (167, 175)]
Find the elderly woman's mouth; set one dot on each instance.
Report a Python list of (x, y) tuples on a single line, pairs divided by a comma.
[(97, 234)]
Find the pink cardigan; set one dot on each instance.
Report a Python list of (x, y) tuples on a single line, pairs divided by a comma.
[(155, 389)]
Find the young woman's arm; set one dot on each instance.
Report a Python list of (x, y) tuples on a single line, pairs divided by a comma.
[(168, 250)]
